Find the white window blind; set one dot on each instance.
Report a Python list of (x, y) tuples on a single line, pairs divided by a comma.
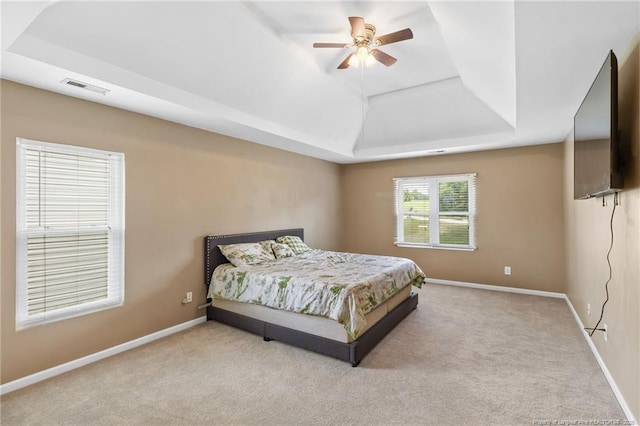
[(70, 231), (435, 211)]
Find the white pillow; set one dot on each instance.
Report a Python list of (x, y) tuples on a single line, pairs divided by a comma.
[(282, 250), (246, 253), (295, 243)]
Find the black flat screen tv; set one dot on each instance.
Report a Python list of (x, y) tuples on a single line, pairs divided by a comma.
[(596, 146)]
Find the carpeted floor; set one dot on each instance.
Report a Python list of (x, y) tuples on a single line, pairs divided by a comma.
[(464, 357)]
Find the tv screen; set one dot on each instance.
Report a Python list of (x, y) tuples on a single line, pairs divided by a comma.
[(596, 136)]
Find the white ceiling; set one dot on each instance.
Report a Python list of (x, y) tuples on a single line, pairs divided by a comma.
[(477, 75)]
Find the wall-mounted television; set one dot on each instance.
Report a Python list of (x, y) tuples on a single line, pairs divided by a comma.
[(596, 145)]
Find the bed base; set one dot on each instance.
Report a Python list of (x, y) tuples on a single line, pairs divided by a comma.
[(352, 352)]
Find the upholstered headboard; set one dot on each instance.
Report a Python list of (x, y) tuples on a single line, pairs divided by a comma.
[(213, 257)]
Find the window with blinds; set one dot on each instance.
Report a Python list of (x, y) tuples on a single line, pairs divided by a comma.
[(70, 231), (435, 211)]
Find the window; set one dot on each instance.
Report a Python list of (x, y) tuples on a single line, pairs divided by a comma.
[(70, 231), (435, 211)]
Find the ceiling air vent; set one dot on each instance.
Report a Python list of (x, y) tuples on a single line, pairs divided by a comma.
[(85, 86)]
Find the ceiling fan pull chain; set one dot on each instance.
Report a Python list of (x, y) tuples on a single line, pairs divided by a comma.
[(362, 99)]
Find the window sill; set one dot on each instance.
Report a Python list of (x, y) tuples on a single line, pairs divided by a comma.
[(423, 246), (67, 313)]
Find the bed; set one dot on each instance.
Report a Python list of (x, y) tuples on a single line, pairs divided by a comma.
[(348, 340)]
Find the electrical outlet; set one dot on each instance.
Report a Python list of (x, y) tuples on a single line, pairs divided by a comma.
[(507, 270), (589, 310), (606, 338), (188, 298)]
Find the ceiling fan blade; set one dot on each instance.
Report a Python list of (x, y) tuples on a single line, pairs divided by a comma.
[(383, 58), (345, 64), (339, 45), (401, 35), (357, 27)]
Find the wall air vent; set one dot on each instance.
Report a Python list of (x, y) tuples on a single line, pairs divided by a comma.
[(85, 86)]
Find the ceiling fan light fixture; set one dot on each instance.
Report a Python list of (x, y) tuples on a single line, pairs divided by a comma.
[(370, 60), (363, 36), (362, 52), (353, 60)]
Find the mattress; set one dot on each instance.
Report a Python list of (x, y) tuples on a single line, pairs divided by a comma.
[(316, 325), (343, 287)]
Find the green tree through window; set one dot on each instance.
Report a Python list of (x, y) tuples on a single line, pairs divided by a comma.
[(454, 196)]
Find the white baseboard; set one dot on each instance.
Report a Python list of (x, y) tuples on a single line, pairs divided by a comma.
[(77, 363), (603, 367), (594, 350), (498, 288)]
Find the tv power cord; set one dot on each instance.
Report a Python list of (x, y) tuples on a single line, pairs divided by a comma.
[(606, 285)]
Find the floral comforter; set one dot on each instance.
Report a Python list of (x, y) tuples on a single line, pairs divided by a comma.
[(340, 286)]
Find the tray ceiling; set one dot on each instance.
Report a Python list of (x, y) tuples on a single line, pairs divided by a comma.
[(476, 75)]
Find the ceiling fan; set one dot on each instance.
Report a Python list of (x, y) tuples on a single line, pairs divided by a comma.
[(366, 44)]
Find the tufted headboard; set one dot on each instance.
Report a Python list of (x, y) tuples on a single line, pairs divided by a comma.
[(213, 257)]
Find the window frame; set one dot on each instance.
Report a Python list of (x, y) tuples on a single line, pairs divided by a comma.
[(114, 230), (434, 212)]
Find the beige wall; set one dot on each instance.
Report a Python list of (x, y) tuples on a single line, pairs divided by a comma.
[(181, 184), (519, 215), (588, 238)]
